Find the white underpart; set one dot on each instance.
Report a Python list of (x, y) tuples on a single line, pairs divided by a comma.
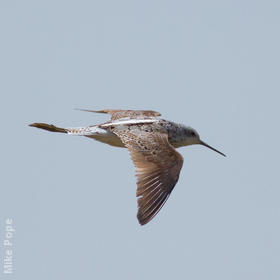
[(130, 121), (97, 133), (86, 131)]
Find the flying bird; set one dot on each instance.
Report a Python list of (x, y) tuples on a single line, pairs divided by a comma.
[(151, 142)]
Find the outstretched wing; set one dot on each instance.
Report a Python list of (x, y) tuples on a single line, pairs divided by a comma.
[(117, 114), (158, 166)]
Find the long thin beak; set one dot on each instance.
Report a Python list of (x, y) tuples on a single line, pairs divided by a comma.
[(206, 145)]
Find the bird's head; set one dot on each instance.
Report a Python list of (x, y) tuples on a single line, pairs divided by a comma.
[(192, 137)]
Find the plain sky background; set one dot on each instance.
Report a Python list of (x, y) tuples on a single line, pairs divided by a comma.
[(213, 65)]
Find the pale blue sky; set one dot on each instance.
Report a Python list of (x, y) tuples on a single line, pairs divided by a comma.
[(213, 65)]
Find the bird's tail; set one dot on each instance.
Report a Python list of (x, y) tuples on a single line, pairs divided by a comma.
[(49, 127), (80, 131)]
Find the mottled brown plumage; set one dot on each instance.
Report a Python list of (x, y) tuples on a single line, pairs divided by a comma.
[(117, 114), (151, 142), (158, 166)]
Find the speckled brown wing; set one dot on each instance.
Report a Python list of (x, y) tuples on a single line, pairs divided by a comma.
[(158, 166), (117, 114)]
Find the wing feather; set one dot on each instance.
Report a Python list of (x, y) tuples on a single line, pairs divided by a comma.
[(158, 166), (117, 114)]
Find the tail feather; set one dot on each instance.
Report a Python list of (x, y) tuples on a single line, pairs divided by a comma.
[(94, 131), (49, 127)]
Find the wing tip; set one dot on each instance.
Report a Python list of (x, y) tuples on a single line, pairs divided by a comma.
[(145, 216), (91, 111), (112, 111), (140, 219)]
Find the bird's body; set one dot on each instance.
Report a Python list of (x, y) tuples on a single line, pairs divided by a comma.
[(151, 142), (105, 133)]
